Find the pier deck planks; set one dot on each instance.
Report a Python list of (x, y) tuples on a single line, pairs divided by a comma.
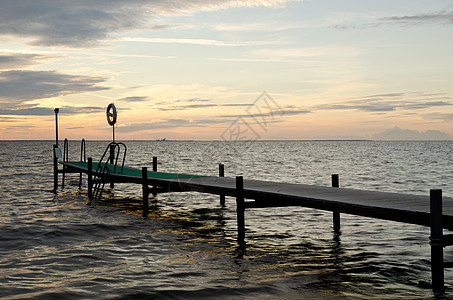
[(414, 209)]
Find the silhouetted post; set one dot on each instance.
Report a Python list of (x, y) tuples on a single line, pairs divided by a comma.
[(336, 214), (56, 110), (90, 178), (112, 156), (240, 209), (65, 159), (80, 180), (145, 191), (222, 174), (436, 241), (154, 188), (82, 158), (154, 170), (113, 132), (55, 168), (154, 164)]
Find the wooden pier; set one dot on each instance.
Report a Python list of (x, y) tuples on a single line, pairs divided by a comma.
[(431, 210)]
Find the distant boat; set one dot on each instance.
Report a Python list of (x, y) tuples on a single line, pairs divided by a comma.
[(161, 140)]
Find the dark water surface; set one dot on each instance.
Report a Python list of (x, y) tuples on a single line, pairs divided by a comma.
[(57, 246)]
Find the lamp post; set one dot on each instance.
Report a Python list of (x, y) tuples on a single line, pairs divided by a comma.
[(55, 153), (57, 110)]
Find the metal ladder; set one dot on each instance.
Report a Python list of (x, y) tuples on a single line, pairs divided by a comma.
[(108, 164)]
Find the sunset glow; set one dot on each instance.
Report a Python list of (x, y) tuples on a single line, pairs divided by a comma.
[(191, 69)]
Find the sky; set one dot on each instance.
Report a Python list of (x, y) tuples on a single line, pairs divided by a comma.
[(227, 70)]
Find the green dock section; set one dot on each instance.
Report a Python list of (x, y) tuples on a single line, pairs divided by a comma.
[(134, 172)]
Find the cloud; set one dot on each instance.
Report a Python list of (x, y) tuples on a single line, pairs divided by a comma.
[(184, 107), (397, 133), (20, 86), (364, 106), (392, 102), (267, 26), (168, 104), (48, 111), (85, 23), (295, 112), (31, 111), (75, 127), (133, 99), (425, 104), (21, 127), (306, 52), (201, 42), (10, 61), (237, 104), (70, 23), (193, 100), (268, 115), (388, 95), (376, 19), (439, 116), (172, 123), (441, 17), (168, 123), (75, 110), (169, 107), (7, 119)]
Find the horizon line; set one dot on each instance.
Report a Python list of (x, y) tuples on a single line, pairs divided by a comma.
[(243, 141)]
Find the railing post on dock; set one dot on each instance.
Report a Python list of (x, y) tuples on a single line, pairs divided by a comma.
[(55, 168), (145, 191), (90, 178), (83, 157), (336, 214), (436, 241), (112, 156), (65, 159), (222, 174), (154, 170), (240, 209)]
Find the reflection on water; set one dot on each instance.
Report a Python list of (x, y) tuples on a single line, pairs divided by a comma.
[(56, 245)]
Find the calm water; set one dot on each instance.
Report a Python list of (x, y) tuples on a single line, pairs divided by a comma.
[(57, 246)]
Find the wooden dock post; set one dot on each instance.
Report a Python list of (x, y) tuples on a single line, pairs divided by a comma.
[(336, 214), (436, 241), (145, 191), (90, 178), (154, 170), (240, 209), (222, 174), (154, 163), (55, 168), (83, 157)]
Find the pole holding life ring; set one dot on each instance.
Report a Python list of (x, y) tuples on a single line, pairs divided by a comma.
[(111, 116)]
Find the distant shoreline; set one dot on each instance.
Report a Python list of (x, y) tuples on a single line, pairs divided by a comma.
[(244, 141)]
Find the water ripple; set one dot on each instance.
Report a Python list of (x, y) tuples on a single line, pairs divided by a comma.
[(58, 246)]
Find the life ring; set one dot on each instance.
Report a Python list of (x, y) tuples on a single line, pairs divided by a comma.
[(111, 116)]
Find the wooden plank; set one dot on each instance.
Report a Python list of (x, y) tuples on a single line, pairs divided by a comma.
[(384, 205)]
